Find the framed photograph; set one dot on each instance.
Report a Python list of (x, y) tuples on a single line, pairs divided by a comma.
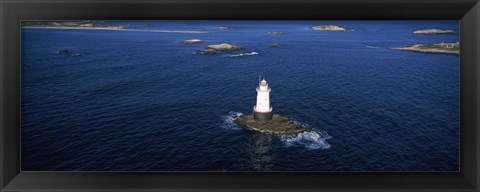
[(240, 95)]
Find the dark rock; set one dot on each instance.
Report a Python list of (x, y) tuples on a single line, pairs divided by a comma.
[(274, 45), (64, 52), (208, 51), (276, 33)]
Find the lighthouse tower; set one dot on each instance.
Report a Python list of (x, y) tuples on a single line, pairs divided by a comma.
[(262, 111)]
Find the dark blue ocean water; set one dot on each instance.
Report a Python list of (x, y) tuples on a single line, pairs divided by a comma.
[(142, 101)]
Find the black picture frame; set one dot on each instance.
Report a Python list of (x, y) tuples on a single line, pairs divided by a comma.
[(13, 11)]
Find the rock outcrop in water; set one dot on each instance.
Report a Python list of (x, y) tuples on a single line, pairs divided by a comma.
[(328, 28), (433, 31), (64, 52), (220, 47), (275, 45), (223, 47), (192, 41), (278, 125), (68, 52)]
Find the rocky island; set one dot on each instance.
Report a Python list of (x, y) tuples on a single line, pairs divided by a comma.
[(443, 48), (192, 41), (278, 125), (328, 28), (433, 31), (220, 47)]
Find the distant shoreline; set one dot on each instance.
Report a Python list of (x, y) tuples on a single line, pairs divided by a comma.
[(441, 48), (113, 29)]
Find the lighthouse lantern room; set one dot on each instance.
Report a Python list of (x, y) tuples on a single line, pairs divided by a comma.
[(262, 111)]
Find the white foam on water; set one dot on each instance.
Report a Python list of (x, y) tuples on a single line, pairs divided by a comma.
[(245, 54), (311, 140), (228, 120)]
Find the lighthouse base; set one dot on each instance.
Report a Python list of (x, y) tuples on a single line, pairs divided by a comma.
[(278, 125), (262, 116)]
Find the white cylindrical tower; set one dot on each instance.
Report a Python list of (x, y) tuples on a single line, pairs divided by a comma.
[(262, 111)]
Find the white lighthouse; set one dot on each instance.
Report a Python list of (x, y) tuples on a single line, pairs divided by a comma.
[(262, 111)]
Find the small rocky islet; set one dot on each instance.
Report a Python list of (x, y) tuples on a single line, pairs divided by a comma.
[(333, 28), (64, 52), (274, 45), (211, 49), (192, 41), (433, 31)]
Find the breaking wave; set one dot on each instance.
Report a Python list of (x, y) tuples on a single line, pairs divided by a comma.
[(228, 120), (244, 54), (310, 140)]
